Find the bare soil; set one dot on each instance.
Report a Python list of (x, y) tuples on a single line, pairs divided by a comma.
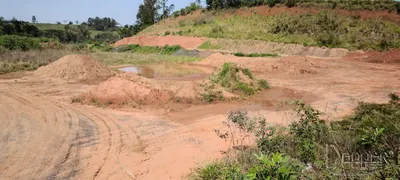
[(43, 135), (75, 67)]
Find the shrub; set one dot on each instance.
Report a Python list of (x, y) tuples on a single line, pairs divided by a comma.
[(218, 171), (263, 84), (275, 166), (290, 3), (271, 3), (168, 50), (239, 54), (167, 33), (398, 7), (107, 37), (13, 42), (308, 131)]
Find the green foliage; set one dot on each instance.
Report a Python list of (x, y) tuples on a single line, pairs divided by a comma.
[(13, 42), (263, 84), (218, 171), (165, 50), (167, 33), (208, 45), (376, 127), (240, 54), (349, 4), (271, 3), (290, 3), (107, 37), (326, 28), (275, 166), (398, 7), (308, 131), (20, 28), (237, 79), (128, 31), (102, 24)]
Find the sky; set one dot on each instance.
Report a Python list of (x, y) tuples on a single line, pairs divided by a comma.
[(51, 11)]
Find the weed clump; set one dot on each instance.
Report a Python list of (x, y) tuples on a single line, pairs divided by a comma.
[(240, 54), (234, 79), (135, 48)]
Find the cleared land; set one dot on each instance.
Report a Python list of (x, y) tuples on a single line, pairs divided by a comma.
[(80, 117)]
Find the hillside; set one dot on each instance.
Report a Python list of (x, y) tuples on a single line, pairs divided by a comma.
[(361, 29)]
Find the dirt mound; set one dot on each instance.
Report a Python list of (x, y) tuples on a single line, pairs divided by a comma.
[(75, 67), (292, 65), (185, 42), (129, 88)]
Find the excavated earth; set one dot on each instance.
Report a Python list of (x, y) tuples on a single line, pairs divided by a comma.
[(45, 134)]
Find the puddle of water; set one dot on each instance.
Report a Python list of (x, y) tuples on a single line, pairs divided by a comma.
[(140, 70)]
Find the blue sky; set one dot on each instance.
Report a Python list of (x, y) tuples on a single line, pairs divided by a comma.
[(51, 11)]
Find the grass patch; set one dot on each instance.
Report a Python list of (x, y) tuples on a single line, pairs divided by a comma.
[(120, 58), (240, 54), (165, 50), (208, 45)]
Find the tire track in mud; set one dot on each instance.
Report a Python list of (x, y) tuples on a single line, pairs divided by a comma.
[(70, 140)]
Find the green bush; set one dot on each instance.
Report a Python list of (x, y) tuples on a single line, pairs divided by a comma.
[(167, 33), (398, 7), (218, 171), (107, 37), (239, 54), (271, 3), (263, 84), (290, 3), (135, 48), (275, 166), (13, 42), (308, 131)]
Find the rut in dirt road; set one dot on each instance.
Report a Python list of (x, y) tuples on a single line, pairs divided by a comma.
[(44, 139)]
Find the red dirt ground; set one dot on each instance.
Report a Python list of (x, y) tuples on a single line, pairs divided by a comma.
[(185, 42), (45, 136), (388, 57)]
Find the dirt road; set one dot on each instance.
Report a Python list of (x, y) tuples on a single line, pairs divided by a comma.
[(42, 136)]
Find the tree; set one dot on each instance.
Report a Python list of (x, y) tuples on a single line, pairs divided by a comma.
[(166, 10), (34, 19), (70, 23), (58, 22), (76, 22), (147, 14)]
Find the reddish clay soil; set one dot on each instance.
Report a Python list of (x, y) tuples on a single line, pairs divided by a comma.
[(46, 136), (185, 42), (363, 14), (75, 67), (388, 57)]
